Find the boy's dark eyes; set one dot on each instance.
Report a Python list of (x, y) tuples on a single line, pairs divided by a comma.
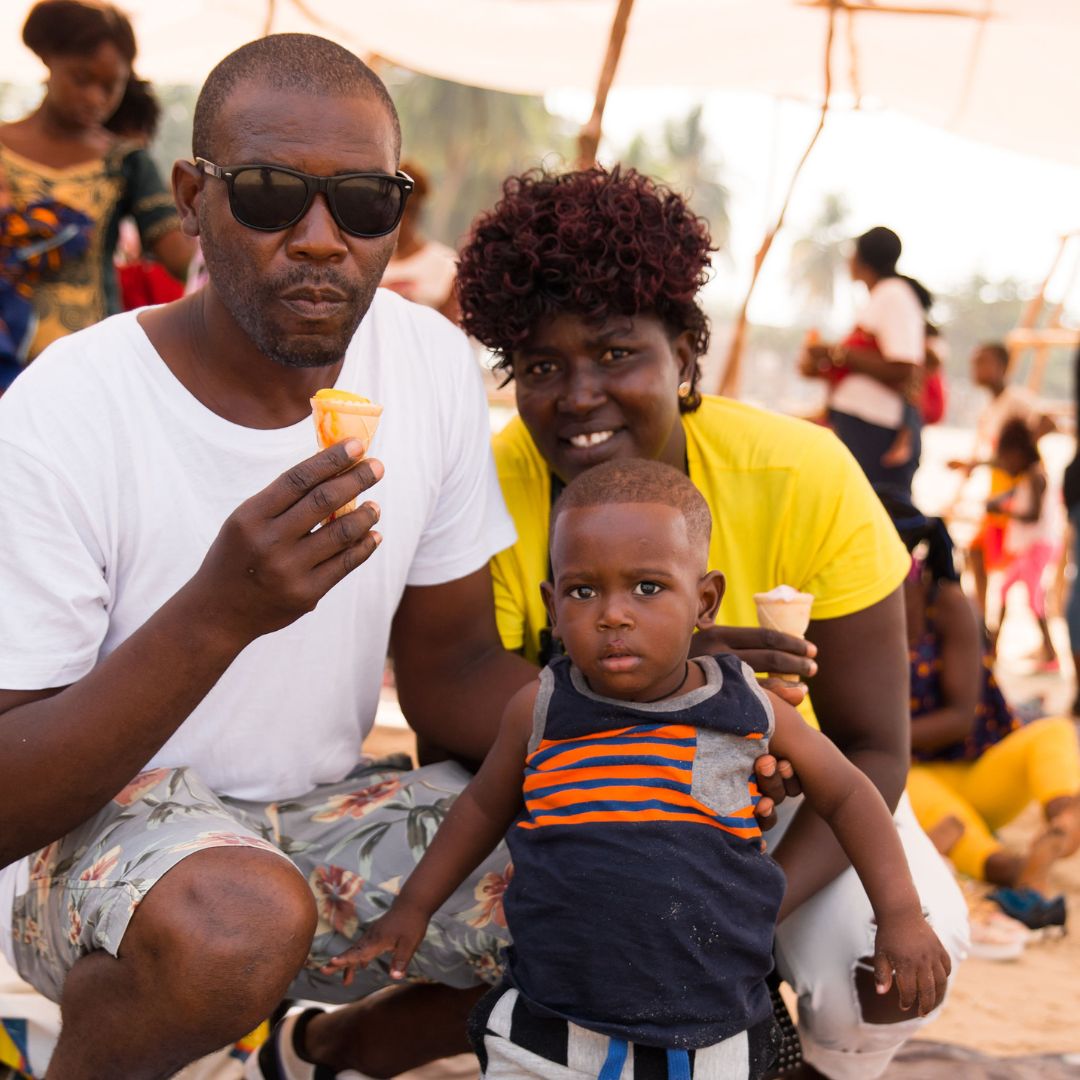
[(648, 588), (581, 592)]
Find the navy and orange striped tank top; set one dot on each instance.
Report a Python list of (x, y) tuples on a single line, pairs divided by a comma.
[(641, 905)]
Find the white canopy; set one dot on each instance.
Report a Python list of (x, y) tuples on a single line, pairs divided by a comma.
[(1002, 71)]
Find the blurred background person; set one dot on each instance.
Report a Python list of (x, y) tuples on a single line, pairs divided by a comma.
[(976, 763), (421, 269), (1071, 491), (35, 239), (63, 154), (1033, 528), (934, 397), (990, 371), (877, 368), (142, 280)]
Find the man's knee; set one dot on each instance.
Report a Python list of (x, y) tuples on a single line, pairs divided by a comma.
[(226, 914)]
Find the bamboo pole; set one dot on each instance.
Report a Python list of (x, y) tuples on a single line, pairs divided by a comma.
[(589, 136), (1033, 310), (898, 9), (729, 383)]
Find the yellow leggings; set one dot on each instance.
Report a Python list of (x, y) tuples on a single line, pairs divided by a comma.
[(1040, 761)]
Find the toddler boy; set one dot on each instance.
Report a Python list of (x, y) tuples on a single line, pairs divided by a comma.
[(642, 906)]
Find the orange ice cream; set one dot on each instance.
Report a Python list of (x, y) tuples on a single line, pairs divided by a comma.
[(340, 415)]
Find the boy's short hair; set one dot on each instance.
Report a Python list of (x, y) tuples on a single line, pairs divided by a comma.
[(637, 480)]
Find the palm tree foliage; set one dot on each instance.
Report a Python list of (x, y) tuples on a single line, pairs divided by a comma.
[(818, 259), (681, 158), (469, 140)]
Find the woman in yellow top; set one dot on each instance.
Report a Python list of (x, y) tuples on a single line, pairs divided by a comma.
[(585, 285), (62, 152)]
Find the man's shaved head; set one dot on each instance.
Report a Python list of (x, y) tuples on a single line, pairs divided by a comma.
[(300, 62)]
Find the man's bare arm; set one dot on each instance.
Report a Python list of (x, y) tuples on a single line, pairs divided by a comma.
[(454, 677), (65, 753)]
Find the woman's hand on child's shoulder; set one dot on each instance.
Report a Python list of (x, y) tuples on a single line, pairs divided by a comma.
[(766, 651), (400, 932), (909, 953)]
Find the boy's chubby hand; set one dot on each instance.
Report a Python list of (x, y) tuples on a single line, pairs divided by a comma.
[(909, 952), (399, 932), (776, 781)]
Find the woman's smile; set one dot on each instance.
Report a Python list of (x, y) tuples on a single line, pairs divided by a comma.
[(591, 438)]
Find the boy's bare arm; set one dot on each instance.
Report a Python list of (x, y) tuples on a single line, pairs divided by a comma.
[(854, 809), (476, 823)]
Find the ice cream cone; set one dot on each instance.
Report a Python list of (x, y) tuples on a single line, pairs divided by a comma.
[(787, 610), (340, 415)]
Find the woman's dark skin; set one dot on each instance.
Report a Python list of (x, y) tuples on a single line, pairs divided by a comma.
[(67, 130)]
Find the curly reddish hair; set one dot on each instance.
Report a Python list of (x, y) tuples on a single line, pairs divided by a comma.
[(592, 243)]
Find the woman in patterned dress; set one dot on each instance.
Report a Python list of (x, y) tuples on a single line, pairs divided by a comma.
[(63, 153)]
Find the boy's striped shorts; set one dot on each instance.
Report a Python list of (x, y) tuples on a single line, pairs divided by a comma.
[(514, 1043)]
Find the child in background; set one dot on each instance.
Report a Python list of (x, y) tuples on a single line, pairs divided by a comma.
[(642, 906), (1032, 532)]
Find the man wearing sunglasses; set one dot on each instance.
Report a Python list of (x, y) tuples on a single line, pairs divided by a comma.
[(173, 613)]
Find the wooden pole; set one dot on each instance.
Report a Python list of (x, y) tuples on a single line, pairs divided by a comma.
[(872, 8), (729, 383), (589, 136)]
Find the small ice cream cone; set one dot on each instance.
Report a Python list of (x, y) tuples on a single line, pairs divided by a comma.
[(787, 610), (340, 415)]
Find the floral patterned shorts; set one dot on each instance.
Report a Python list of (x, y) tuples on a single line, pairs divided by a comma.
[(355, 842)]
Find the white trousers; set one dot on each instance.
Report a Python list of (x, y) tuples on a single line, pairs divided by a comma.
[(818, 945)]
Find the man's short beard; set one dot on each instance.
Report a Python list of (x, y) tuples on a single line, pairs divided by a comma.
[(303, 352), (251, 301)]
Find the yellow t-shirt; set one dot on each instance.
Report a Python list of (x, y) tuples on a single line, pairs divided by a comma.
[(790, 506)]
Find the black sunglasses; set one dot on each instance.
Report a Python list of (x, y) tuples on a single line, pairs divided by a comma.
[(271, 198)]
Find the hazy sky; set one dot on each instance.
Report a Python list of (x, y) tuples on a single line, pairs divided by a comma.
[(959, 206)]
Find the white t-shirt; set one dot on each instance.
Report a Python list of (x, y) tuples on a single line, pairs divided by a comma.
[(897, 320), (116, 481), (425, 277)]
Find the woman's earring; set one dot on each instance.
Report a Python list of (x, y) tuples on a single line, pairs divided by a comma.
[(684, 389)]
